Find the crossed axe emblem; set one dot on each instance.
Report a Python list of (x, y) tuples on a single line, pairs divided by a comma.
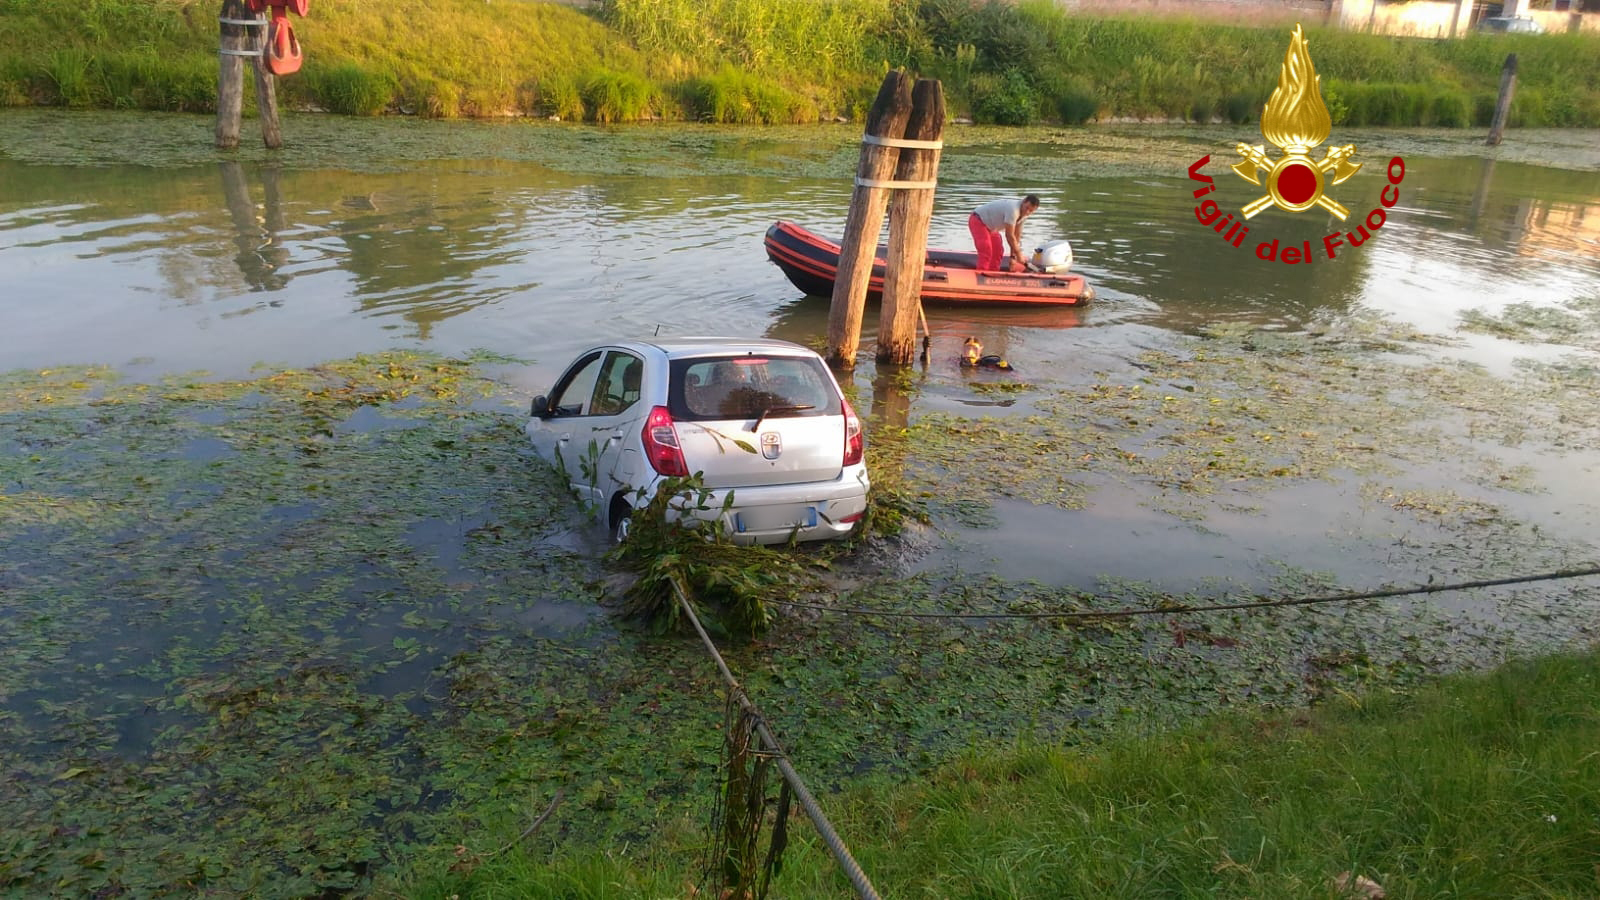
[(1337, 161)]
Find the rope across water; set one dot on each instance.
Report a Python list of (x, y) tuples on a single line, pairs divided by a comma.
[(1557, 575)]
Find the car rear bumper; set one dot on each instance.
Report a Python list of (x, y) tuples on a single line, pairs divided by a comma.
[(770, 514)]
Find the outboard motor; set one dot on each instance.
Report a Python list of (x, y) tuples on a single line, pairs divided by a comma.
[(1054, 257)]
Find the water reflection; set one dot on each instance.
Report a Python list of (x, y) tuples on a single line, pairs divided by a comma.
[(801, 320), (1481, 234), (261, 255), (1480, 194), (109, 264), (427, 257), (891, 401), (1158, 249), (1515, 212)]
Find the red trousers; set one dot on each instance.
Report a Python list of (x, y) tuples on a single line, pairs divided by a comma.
[(991, 245)]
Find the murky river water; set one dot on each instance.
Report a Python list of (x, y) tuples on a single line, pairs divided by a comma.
[(127, 241)]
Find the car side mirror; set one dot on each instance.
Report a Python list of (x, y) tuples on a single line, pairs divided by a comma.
[(541, 407)]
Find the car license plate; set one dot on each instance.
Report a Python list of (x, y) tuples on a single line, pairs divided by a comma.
[(768, 518)]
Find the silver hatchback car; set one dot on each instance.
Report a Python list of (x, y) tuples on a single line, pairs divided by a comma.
[(761, 420)]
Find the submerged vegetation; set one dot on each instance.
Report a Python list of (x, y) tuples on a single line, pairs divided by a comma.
[(1577, 321), (1291, 409), (769, 61), (277, 636), (732, 586)]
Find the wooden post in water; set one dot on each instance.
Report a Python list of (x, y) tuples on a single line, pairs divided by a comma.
[(887, 119), (909, 211), (244, 34), (1502, 106), (267, 97)]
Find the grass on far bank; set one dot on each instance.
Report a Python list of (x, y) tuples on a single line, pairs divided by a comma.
[(771, 61), (1481, 786)]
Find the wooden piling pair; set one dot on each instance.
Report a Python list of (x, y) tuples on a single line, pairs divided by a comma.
[(899, 153), (244, 36)]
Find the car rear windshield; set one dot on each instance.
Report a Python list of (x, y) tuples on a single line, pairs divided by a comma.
[(747, 387)]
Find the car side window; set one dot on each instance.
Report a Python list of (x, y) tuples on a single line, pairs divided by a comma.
[(617, 388), (573, 394)]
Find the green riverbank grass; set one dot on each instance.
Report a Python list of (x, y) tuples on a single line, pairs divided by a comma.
[(1483, 786), (766, 62)]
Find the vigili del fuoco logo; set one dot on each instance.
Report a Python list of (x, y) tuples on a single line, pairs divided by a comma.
[(1295, 121)]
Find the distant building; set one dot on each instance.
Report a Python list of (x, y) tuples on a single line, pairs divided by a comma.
[(1417, 18)]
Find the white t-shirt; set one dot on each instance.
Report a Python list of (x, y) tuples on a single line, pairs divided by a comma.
[(997, 214)]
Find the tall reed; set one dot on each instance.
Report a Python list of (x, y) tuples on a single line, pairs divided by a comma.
[(351, 89), (817, 41), (777, 61), (735, 98), (560, 98), (610, 97)]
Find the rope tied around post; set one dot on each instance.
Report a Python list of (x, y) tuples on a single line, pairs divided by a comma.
[(896, 185), (905, 143), (791, 778)]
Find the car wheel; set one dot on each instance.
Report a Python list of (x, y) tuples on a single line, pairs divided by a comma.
[(621, 519)]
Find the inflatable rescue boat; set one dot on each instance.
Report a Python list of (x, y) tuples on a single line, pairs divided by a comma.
[(811, 263)]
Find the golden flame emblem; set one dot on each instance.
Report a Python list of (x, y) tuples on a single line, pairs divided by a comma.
[(1296, 121)]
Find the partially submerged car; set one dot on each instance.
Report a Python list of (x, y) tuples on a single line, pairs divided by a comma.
[(763, 422)]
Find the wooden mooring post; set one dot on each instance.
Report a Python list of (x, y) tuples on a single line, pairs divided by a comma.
[(1502, 106), (886, 119), (244, 36), (909, 211)]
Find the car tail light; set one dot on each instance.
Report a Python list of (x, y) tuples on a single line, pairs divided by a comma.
[(661, 445), (854, 442)]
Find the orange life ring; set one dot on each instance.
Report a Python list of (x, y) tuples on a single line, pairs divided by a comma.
[(283, 48)]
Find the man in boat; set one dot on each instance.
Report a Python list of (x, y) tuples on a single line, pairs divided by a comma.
[(989, 220)]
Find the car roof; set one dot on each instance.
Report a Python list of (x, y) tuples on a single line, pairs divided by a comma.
[(688, 347)]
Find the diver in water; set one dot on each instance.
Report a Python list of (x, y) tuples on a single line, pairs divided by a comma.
[(973, 357)]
